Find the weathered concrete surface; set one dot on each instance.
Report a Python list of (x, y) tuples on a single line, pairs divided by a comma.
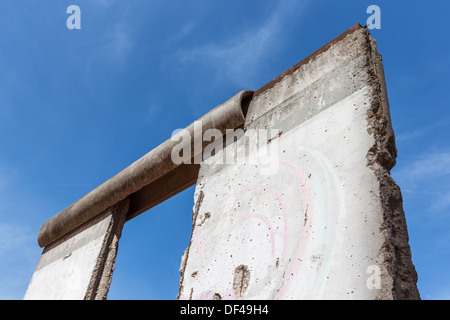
[(80, 265), (326, 221)]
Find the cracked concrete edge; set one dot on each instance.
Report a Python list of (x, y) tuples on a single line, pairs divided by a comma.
[(184, 258), (101, 277), (395, 258)]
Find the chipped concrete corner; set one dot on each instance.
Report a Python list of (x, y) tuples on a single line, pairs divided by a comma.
[(395, 254), (328, 223)]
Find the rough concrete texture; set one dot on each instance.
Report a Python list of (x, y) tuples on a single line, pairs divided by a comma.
[(80, 265), (327, 221)]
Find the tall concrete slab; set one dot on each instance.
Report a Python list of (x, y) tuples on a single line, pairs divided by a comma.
[(306, 208), (80, 264)]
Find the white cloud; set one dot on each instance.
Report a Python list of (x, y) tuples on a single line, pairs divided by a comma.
[(18, 256), (19, 252), (8, 176), (152, 111), (441, 204), (427, 178), (12, 237), (184, 31), (428, 166), (240, 57), (119, 43), (421, 131), (114, 42), (103, 3)]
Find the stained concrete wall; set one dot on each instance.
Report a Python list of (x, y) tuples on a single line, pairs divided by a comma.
[(312, 212), (80, 264)]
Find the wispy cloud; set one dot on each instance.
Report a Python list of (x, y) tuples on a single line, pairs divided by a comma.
[(18, 258), (12, 237), (8, 175), (104, 2), (119, 43), (428, 176), (19, 252), (152, 111), (112, 45), (428, 166), (441, 204), (239, 58), (114, 42), (184, 31), (421, 131)]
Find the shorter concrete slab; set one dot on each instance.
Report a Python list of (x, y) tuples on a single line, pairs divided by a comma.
[(79, 265)]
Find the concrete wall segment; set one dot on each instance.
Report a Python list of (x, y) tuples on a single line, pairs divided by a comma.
[(80, 264), (329, 224)]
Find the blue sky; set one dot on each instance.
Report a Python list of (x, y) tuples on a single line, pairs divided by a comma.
[(78, 106)]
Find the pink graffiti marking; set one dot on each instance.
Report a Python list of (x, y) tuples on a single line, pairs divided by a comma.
[(280, 203), (302, 241), (304, 236), (198, 242), (305, 194)]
